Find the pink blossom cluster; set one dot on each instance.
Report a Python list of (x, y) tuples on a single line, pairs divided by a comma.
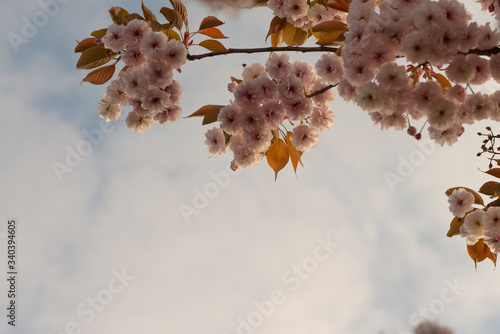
[(478, 223), (429, 34), (268, 98), (147, 82), (302, 15)]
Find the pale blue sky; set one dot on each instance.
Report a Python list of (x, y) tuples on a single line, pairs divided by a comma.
[(119, 209)]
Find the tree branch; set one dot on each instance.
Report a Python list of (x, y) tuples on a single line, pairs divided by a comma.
[(321, 91), (260, 50), (489, 52)]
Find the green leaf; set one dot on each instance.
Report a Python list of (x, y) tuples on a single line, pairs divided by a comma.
[(490, 188), (210, 22), (277, 156), (101, 75), (212, 32), (212, 45), (172, 16), (94, 57), (477, 198)]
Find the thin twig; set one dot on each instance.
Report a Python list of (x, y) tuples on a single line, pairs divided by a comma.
[(260, 50), (321, 91)]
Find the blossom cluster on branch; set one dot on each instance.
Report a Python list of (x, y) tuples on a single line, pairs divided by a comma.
[(399, 60)]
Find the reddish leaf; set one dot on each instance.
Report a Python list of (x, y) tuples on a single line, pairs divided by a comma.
[(85, 44), (277, 156), (101, 75), (172, 16), (93, 57), (212, 32), (181, 9), (148, 15), (477, 198), (210, 22), (212, 45)]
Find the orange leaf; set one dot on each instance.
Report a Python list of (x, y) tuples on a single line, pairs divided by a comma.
[(93, 57), (172, 16), (277, 24), (85, 44), (277, 156), (212, 32), (455, 226), (212, 45), (477, 252), (210, 22), (295, 154), (209, 113), (100, 75), (477, 198), (443, 81), (181, 9), (148, 15), (329, 26), (331, 38)]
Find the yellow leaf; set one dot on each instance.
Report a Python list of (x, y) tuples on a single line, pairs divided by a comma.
[(277, 39), (173, 35), (99, 33), (331, 38), (212, 32), (293, 36), (210, 22), (100, 75), (295, 155), (212, 45), (277, 24), (477, 198), (277, 156), (93, 57)]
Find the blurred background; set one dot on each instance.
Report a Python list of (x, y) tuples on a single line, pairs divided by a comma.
[(105, 248)]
